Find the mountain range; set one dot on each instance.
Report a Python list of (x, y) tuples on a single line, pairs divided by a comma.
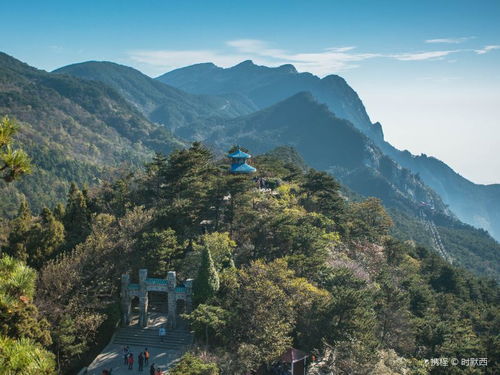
[(84, 121), (161, 103), (475, 204)]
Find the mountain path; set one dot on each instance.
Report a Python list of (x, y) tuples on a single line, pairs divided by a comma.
[(163, 354)]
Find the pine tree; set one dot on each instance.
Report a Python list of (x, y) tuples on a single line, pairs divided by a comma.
[(19, 316), (154, 178), (47, 236), (77, 217), (17, 246), (159, 250), (59, 211), (13, 162), (322, 193), (189, 178), (206, 283)]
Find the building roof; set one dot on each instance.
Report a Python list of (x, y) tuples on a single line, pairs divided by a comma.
[(238, 154), (157, 281), (293, 355), (242, 168)]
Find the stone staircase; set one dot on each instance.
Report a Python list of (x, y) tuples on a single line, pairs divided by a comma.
[(178, 339)]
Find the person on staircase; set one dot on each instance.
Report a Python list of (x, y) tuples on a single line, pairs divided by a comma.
[(130, 361), (146, 356), (140, 360), (162, 332), (152, 369), (125, 355)]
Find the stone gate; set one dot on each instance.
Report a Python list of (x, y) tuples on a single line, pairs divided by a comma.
[(169, 285)]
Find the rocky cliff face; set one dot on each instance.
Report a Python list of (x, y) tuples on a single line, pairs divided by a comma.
[(329, 143)]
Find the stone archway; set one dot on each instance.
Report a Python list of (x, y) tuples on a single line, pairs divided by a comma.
[(169, 286), (180, 306)]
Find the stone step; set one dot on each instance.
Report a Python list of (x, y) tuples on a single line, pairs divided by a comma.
[(161, 345), (171, 338), (174, 340), (154, 331), (149, 336), (152, 341)]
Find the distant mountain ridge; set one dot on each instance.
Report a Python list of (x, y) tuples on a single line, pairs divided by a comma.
[(265, 86), (478, 205), (158, 101)]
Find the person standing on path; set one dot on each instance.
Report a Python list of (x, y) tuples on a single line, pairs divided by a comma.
[(125, 355), (146, 356), (141, 361), (152, 369), (130, 361)]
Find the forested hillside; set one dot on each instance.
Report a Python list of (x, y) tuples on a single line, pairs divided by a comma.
[(334, 145), (295, 264), (80, 130), (73, 129), (326, 141), (353, 151), (303, 262)]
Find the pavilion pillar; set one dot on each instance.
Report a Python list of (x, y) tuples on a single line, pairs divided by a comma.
[(172, 305), (125, 300), (143, 298)]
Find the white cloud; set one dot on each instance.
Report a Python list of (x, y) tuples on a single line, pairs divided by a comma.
[(419, 56), (340, 49), (254, 46), (326, 61), (333, 59), (171, 59), (486, 49), (450, 40)]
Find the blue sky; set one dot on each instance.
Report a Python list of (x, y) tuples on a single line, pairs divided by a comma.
[(429, 71)]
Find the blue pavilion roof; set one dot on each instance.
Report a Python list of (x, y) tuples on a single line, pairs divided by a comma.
[(156, 281), (242, 168), (238, 154)]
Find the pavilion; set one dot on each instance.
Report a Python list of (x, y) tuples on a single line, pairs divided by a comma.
[(239, 162)]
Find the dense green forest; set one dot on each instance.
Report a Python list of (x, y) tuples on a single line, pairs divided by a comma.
[(74, 130), (299, 264)]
